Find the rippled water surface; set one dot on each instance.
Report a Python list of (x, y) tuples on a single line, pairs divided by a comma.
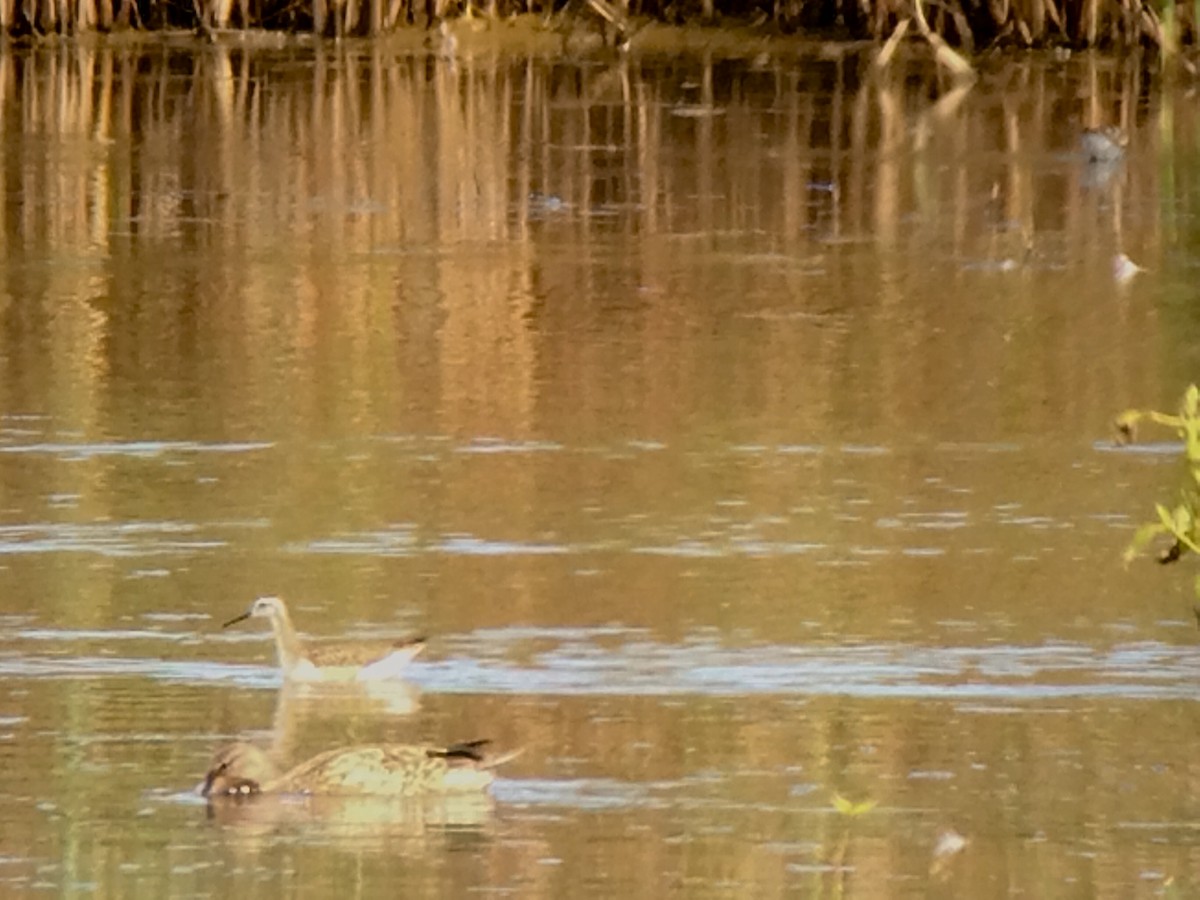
[(737, 430)]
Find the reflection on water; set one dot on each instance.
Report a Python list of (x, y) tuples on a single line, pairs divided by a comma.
[(302, 709), (363, 822), (734, 427)]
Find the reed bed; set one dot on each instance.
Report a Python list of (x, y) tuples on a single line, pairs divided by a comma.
[(1164, 24)]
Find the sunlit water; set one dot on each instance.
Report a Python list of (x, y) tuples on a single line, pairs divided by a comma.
[(737, 430)]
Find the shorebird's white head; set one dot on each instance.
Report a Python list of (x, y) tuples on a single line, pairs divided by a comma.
[(263, 607)]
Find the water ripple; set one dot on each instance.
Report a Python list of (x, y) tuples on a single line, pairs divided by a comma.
[(181, 671), (589, 794), (624, 662), (106, 539), (1009, 672), (132, 448)]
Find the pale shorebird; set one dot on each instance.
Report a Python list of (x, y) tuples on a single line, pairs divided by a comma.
[(340, 661), (393, 770), (1124, 268)]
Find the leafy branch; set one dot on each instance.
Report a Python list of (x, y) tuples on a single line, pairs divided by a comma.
[(1178, 522)]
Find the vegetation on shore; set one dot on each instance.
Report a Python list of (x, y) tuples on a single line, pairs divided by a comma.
[(1180, 522), (1124, 24)]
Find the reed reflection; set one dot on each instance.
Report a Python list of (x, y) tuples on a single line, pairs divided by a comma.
[(444, 234)]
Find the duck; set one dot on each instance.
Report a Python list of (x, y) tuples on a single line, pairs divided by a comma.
[(241, 769), (341, 661), (1103, 145)]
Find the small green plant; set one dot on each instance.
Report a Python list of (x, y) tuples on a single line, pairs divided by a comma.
[(1178, 522), (852, 809)]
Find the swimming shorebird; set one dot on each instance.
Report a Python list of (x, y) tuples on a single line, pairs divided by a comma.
[(342, 661), (393, 770)]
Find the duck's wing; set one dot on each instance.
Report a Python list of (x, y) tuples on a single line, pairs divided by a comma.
[(466, 750), (395, 769), (472, 754), (398, 770)]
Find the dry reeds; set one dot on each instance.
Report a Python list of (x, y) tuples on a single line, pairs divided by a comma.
[(958, 24)]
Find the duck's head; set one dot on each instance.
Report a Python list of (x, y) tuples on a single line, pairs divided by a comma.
[(1103, 144), (238, 770)]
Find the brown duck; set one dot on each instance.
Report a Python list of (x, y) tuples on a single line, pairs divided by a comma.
[(394, 770)]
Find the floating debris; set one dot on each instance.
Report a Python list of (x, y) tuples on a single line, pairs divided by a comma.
[(1169, 555), (696, 111), (948, 845)]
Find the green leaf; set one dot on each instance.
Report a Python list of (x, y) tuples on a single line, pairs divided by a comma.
[(1191, 401), (1166, 516), (1182, 521), (1192, 448), (850, 808), (1173, 422), (1141, 538), (1191, 438)]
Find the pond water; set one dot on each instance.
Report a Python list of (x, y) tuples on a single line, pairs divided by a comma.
[(737, 430)]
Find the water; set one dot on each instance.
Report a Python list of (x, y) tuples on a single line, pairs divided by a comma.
[(737, 430)]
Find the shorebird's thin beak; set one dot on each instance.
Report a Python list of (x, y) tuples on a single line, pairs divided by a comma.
[(242, 618)]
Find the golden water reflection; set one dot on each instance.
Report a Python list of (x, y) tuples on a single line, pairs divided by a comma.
[(735, 428)]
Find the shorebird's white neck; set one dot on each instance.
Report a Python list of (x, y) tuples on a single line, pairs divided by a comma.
[(287, 643)]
